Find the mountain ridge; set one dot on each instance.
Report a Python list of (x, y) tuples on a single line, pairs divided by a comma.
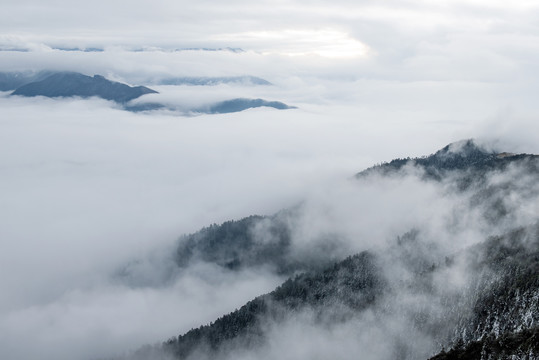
[(62, 84), (456, 156), (498, 304), (361, 277)]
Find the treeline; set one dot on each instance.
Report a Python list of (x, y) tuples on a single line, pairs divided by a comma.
[(355, 282)]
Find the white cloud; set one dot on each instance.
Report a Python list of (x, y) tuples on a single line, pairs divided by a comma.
[(329, 43), (86, 187)]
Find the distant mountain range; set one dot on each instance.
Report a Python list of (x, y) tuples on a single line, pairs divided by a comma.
[(210, 81), (71, 84), (13, 80), (126, 48), (223, 107), (495, 316)]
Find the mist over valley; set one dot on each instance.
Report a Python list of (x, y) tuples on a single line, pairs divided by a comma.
[(269, 180)]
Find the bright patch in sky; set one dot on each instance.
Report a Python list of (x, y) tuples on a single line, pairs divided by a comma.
[(329, 43)]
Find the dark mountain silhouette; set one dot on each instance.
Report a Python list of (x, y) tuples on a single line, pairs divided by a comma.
[(241, 104), (142, 107), (71, 84), (228, 106), (68, 84)]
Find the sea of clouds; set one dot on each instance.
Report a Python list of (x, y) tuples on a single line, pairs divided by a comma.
[(86, 187)]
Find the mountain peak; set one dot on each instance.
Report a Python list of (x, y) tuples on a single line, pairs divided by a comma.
[(462, 148), (465, 149), (460, 155)]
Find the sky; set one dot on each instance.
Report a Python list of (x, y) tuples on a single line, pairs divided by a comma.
[(87, 187)]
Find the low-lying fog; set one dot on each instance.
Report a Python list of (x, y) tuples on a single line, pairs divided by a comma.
[(86, 188)]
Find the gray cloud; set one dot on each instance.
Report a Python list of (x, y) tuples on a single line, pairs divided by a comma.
[(86, 188)]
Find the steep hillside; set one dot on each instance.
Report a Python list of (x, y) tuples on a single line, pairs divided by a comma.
[(504, 319), (495, 312), (257, 242), (357, 275), (411, 297), (518, 345)]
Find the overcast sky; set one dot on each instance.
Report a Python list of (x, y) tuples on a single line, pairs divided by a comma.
[(87, 187)]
